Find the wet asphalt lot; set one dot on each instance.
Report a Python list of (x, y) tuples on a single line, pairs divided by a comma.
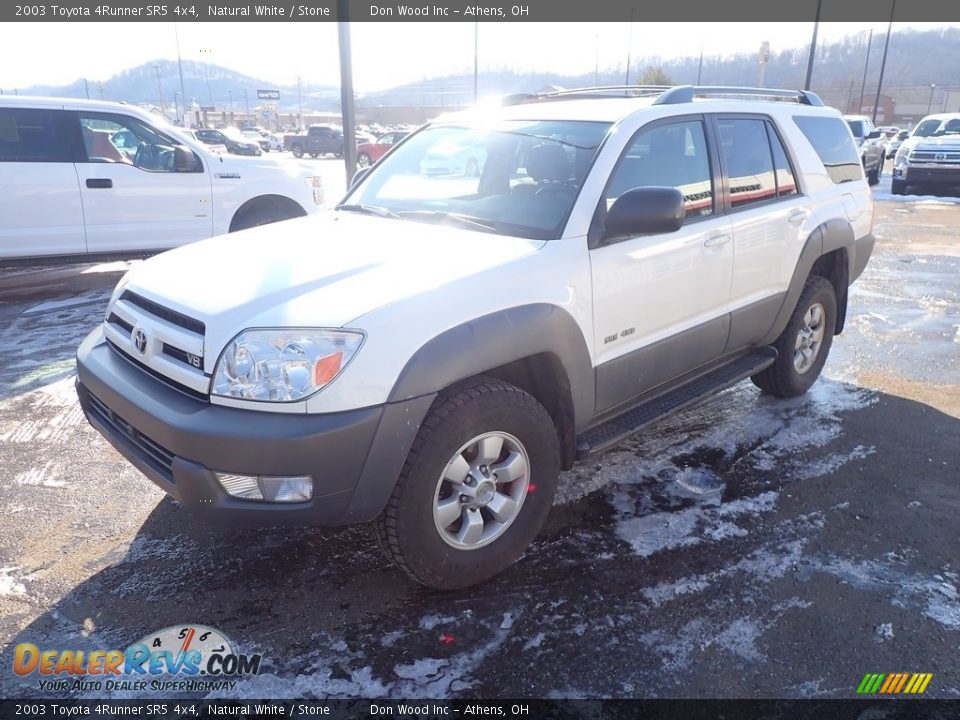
[(748, 547)]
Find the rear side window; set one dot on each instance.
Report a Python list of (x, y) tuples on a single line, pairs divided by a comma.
[(830, 138), (786, 180), (746, 150), (28, 135)]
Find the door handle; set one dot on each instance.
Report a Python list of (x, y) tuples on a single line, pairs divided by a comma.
[(797, 217), (716, 240), (99, 183)]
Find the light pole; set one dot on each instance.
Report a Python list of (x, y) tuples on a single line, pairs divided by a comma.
[(866, 64), (626, 80), (347, 108), (183, 93), (883, 63), (933, 86), (813, 47)]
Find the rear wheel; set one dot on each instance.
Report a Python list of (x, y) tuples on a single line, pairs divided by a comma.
[(804, 344), (475, 489), (873, 176), (363, 160)]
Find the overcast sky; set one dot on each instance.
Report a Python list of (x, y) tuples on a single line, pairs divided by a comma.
[(385, 54)]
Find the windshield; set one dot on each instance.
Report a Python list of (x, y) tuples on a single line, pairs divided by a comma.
[(926, 128), (856, 126), (517, 177)]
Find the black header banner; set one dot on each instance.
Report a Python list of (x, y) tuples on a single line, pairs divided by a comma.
[(477, 11)]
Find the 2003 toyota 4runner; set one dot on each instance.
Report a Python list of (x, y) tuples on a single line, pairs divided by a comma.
[(430, 354)]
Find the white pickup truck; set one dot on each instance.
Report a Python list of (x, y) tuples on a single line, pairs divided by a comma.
[(81, 177)]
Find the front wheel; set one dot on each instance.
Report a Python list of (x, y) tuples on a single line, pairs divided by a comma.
[(804, 344), (873, 176), (297, 151), (363, 160), (898, 187), (476, 487)]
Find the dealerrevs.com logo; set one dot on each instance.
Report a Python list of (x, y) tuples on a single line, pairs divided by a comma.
[(182, 658)]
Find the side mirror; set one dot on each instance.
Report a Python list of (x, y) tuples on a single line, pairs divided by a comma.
[(646, 211), (873, 136), (903, 135), (359, 176), (185, 160)]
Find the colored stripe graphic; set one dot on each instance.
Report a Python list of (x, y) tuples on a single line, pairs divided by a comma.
[(894, 683)]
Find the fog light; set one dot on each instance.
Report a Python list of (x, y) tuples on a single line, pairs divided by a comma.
[(294, 489)]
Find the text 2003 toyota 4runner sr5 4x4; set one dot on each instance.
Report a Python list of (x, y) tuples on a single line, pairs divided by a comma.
[(430, 354)]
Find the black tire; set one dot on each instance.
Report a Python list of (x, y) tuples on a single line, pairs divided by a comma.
[(297, 151), (898, 187), (782, 379), (363, 160), (873, 176), (406, 530)]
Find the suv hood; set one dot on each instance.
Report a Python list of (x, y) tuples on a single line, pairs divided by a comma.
[(325, 270)]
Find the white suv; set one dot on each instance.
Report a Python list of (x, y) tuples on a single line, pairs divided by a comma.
[(81, 177), (429, 354), (930, 157)]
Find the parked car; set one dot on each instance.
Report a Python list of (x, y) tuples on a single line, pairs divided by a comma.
[(369, 152), (870, 144), (84, 177), (889, 131), (275, 144), (895, 143), (236, 145), (257, 137), (430, 354), (318, 140), (929, 160), (192, 135)]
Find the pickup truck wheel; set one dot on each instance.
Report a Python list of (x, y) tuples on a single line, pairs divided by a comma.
[(297, 151), (804, 344), (475, 489), (873, 176)]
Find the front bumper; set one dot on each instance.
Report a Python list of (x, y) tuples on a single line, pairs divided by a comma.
[(929, 175), (178, 441)]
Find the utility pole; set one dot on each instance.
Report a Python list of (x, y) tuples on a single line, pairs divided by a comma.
[(866, 64), (813, 47), (700, 67), (346, 90), (86, 87), (230, 95), (626, 80), (883, 62), (849, 95), (100, 83), (764, 57), (246, 99), (933, 86), (183, 93), (300, 99), (596, 59), (156, 69), (476, 58)]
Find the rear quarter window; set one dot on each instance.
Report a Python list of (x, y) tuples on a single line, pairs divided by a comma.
[(830, 138)]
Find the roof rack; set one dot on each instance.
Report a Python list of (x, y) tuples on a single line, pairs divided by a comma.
[(686, 93), (667, 94)]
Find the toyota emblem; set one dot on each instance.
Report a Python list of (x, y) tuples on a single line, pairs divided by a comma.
[(940, 156), (140, 340)]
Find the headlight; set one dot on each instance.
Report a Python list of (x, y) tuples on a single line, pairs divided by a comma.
[(283, 365), (903, 156), (315, 182)]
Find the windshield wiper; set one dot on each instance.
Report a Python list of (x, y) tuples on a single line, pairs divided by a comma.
[(370, 210), (467, 221)]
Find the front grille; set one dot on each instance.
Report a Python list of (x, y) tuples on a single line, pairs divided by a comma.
[(171, 316), (115, 319), (194, 361), (154, 454), (179, 387), (949, 156)]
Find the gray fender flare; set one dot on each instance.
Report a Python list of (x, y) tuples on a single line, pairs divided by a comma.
[(832, 235), (493, 340)]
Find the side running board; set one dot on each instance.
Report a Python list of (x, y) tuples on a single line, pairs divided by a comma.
[(609, 433)]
